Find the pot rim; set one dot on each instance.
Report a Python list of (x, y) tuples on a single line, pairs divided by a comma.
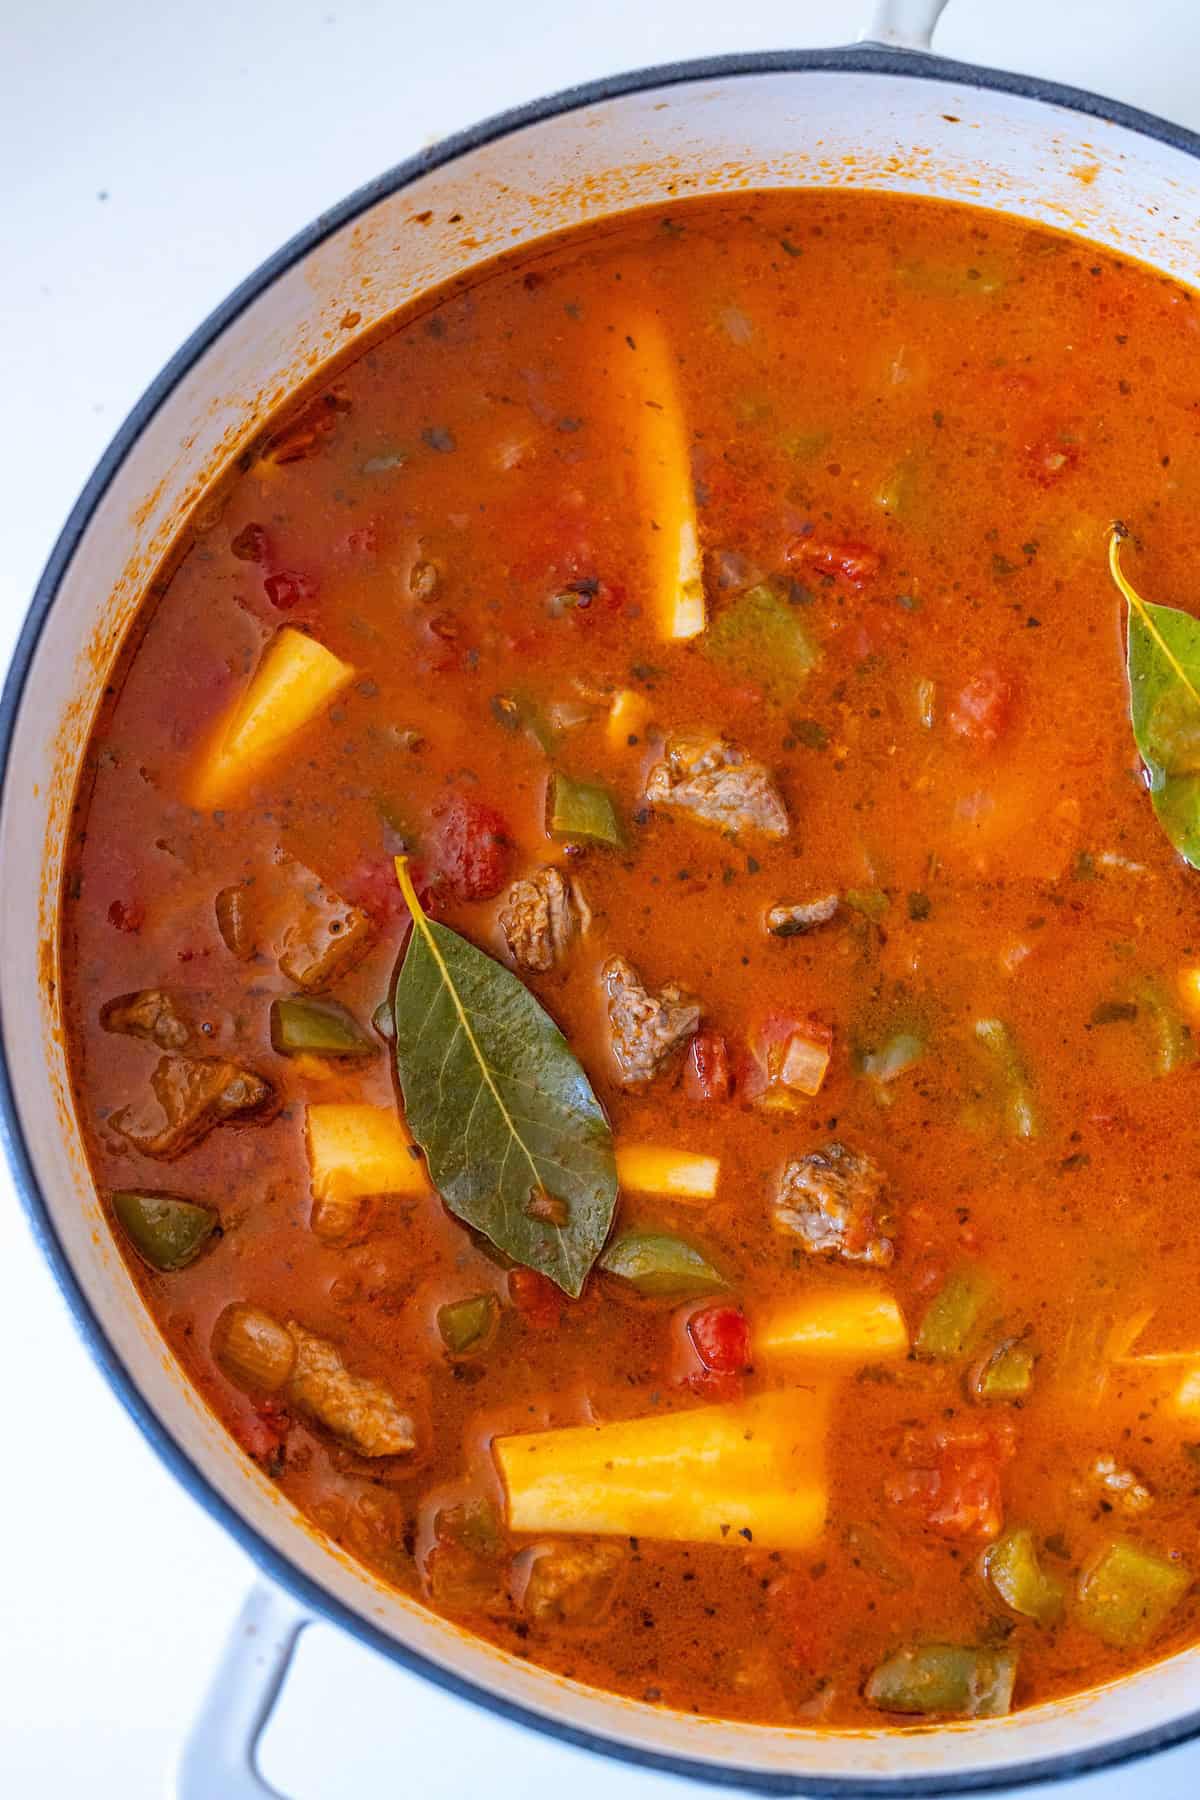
[(864, 58)]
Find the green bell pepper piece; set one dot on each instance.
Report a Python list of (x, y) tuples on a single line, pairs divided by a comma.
[(1006, 1373), (952, 1679), (167, 1232), (1127, 1593), (582, 809), (302, 1025), (466, 1325), (1013, 1570), (1020, 1110), (656, 1264), (951, 1319)]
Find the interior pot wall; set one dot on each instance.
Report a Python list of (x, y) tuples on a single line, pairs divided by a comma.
[(719, 132)]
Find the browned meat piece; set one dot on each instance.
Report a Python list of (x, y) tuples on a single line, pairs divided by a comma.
[(831, 1199), (572, 1583), (718, 784), (646, 1029), (542, 919), (191, 1095), (805, 916), (153, 1014), (324, 936), (361, 1412)]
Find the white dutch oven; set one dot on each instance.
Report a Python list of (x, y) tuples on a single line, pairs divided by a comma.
[(882, 115)]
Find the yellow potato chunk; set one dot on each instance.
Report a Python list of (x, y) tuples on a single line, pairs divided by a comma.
[(1187, 1394), (850, 1324), (656, 1169), (354, 1150), (753, 1471), (295, 678), (627, 716), (664, 472), (1189, 991)]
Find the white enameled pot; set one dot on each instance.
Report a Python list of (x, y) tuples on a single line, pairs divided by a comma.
[(882, 115)]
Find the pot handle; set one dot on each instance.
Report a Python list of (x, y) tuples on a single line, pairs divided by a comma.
[(904, 24), (219, 1760)]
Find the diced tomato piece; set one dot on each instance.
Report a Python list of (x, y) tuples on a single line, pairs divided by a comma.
[(127, 915), (708, 1074), (363, 541), (286, 589), (262, 1430), (953, 1479), (536, 1298), (371, 884), (786, 1061), (472, 848), (251, 544), (981, 712), (851, 565), (721, 1338)]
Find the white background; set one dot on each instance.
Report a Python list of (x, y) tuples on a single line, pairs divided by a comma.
[(150, 156)]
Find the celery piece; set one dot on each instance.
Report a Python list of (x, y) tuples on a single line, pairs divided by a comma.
[(1127, 1593), (466, 1325), (1005, 1373), (956, 1680), (1013, 1571), (951, 1319), (167, 1232), (582, 809), (1020, 1112), (304, 1026), (760, 638), (660, 1265)]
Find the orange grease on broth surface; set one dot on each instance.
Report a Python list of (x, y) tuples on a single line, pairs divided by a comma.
[(808, 381)]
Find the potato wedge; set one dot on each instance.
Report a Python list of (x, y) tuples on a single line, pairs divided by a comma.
[(748, 1472), (664, 475), (355, 1150), (657, 1169), (295, 678), (846, 1324)]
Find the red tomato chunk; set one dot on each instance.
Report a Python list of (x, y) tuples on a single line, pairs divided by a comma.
[(473, 852), (980, 713), (721, 1338), (707, 1074), (851, 565), (953, 1481)]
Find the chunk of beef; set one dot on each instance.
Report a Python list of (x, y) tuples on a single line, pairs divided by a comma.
[(542, 919), (362, 1413), (720, 785), (192, 1094), (831, 1200), (324, 935), (572, 1583), (805, 916), (153, 1013), (646, 1029)]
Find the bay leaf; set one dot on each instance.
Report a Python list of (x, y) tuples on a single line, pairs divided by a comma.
[(500, 1105), (1163, 662)]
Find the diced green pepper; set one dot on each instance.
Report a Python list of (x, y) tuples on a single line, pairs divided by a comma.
[(657, 1264), (895, 1056), (759, 637), (302, 1025), (871, 902), (467, 1325), (1013, 1570), (582, 809), (167, 1232), (1020, 1111), (1127, 1593), (1006, 1373), (955, 1680), (952, 1317), (898, 490), (517, 712)]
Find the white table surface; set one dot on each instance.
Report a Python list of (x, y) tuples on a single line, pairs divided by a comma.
[(150, 156)]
